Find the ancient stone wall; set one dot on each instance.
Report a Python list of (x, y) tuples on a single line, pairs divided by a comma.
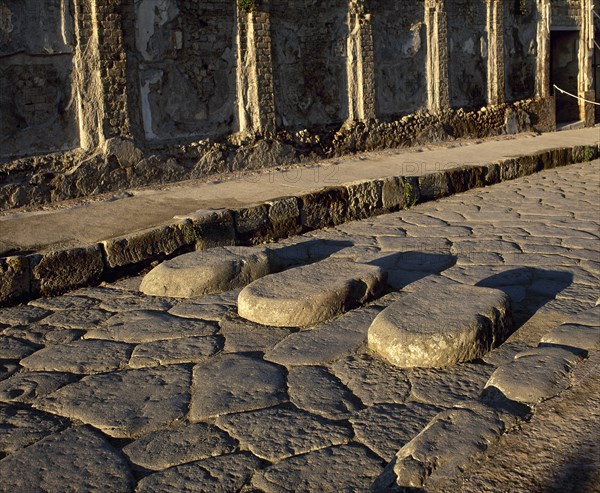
[(101, 95)]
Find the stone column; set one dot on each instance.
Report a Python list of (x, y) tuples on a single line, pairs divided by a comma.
[(255, 92), (586, 53), (495, 67), (438, 96), (360, 63), (542, 78)]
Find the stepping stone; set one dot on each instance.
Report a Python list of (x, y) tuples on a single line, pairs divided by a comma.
[(77, 459), (441, 326), (209, 271), (310, 294)]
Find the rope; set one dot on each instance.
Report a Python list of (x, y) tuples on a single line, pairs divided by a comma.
[(573, 95)]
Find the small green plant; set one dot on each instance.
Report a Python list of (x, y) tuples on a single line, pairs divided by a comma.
[(410, 197), (247, 5), (588, 154), (522, 5)]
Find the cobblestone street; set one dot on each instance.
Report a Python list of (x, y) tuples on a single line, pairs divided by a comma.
[(108, 389)]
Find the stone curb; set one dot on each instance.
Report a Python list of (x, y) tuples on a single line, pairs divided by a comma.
[(460, 435), (24, 277)]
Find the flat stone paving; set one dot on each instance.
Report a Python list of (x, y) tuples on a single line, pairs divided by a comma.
[(106, 389)]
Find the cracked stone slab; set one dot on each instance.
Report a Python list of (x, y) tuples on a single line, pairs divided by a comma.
[(65, 302), (234, 383), (202, 311), (386, 428), (209, 271), (245, 336), (136, 303), (8, 368), (441, 326), (80, 357), (174, 351), (535, 375), (276, 434), (315, 389), (310, 294), (577, 336), (22, 427), (167, 448), (343, 468), (11, 348), (373, 381), (218, 474), (22, 315), (29, 386), (325, 342), (77, 459), (589, 317), (125, 404), (147, 326), (86, 319), (44, 335)]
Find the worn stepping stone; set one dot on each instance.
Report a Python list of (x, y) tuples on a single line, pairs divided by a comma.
[(125, 404), (441, 326), (310, 294), (209, 271), (234, 383), (77, 459)]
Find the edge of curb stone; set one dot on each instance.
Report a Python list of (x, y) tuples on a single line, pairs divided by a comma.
[(460, 435), (28, 276)]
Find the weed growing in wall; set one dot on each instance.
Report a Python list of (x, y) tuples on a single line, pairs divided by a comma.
[(247, 5), (410, 198)]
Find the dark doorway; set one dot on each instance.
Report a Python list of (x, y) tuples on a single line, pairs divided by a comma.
[(564, 69)]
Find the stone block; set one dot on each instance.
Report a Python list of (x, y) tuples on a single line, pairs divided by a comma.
[(434, 186), (15, 279), (326, 207), (212, 228)]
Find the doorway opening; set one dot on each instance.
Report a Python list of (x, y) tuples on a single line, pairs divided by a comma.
[(564, 47)]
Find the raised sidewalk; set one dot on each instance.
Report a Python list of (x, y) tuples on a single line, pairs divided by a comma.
[(55, 249)]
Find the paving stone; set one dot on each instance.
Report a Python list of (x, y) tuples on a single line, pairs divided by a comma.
[(228, 298), (80, 357), (42, 334), (470, 247), (135, 303), (450, 385), (235, 383), (589, 317), (209, 271), (22, 315), (245, 336), (326, 342), (7, 368), (218, 474), (534, 375), (372, 380), (202, 311), (310, 294), (21, 427), (566, 307), (276, 434), (27, 387), (74, 460), (125, 404), (439, 246), (330, 469), (86, 319), (167, 448), (315, 389), (386, 428), (174, 351), (420, 330), (576, 336), (65, 302), (11, 348), (147, 326), (505, 353), (423, 283)]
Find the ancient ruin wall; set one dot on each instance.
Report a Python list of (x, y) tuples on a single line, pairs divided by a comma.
[(101, 95)]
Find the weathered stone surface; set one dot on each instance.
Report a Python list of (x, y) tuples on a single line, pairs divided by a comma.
[(42, 334), (312, 213), (326, 342), (218, 474), (65, 302), (398, 244), (535, 375), (77, 459), (85, 319), (11, 348), (372, 380), (212, 228), (284, 216), (147, 326), (7, 368), (173, 351), (134, 303), (329, 469), (235, 383), (276, 434), (422, 330), (434, 186), (203, 311), (209, 271), (252, 223), (386, 428), (27, 387), (589, 317), (364, 198), (582, 337), (450, 442), (245, 336), (22, 427), (15, 278), (24, 314), (125, 404), (168, 448), (310, 294), (505, 353), (80, 357), (62, 270), (314, 389)]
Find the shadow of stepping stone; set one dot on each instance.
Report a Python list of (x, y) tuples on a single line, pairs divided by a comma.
[(310, 294), (441, 326)]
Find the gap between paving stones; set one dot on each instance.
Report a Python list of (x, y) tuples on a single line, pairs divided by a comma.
[(25, 277)]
